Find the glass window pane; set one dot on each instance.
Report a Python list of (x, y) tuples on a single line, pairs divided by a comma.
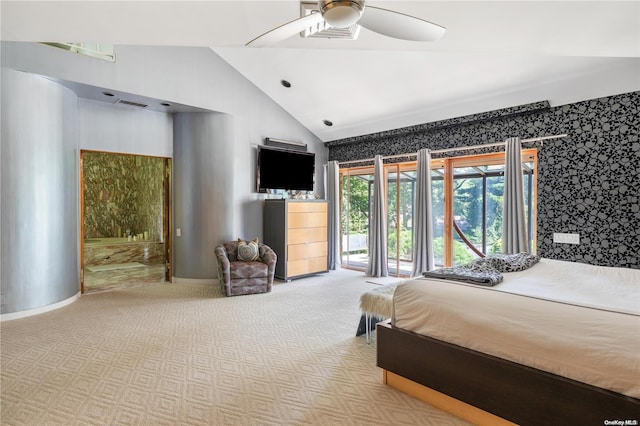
[(495, 196), (356, 191), (406, 208), (437, 204), (472, 194), (468, 218), (392, 221)]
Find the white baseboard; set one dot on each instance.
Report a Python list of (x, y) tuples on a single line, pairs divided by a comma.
[(205, 281), (37, 311)]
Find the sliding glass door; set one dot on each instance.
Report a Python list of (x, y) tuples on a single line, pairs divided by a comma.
[(357, 201), (467, 198), (401, 186), (356, 187)]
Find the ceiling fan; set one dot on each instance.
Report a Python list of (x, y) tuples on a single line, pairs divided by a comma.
[(344, 13)]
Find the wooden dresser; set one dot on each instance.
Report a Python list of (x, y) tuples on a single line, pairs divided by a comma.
[(297, 231)]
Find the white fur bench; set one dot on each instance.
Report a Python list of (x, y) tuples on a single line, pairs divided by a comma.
[(377, 303)]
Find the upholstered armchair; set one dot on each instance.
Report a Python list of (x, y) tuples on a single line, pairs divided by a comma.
[(239, 277)]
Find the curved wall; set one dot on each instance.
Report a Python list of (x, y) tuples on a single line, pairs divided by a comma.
[(203, 170), (214, 154), (39, 190)]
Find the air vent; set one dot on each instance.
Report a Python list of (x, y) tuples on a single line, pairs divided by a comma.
[(324, 30), (96, 50), (131, 103)]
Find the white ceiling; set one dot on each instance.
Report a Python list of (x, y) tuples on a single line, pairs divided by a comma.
[(493, 55)]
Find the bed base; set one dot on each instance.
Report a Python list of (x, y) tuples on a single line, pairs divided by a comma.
[(443, 402), (508, 390)]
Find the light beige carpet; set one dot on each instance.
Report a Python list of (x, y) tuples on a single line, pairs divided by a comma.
[(385, 280), (178, 354)]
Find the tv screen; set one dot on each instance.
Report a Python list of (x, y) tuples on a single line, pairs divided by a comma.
[(285, 169)]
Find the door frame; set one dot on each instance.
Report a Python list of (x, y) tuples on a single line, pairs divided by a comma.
[(167, 211)]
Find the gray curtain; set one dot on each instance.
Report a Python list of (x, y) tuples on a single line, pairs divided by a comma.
[(333, 195), (422, 216), (377, 266), (514, 226)]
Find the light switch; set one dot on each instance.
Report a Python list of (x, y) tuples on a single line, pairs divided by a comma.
[(178, 232), (559, 237)]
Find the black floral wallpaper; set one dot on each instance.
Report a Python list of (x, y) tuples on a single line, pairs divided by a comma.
[(588, 182)]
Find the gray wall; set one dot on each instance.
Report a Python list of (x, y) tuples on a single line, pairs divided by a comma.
[(588, 183), (191, 76), (39, 218), (116, 128), (205, 174)]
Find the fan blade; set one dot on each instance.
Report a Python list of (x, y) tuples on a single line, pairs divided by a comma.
[(287, 30), (399, 25)]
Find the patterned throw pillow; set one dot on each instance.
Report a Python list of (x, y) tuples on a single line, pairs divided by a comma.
[(248, 250)]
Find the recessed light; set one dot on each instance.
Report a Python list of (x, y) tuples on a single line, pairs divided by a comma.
[(327, 123), (167, 104), (285, 83), (108, 94)]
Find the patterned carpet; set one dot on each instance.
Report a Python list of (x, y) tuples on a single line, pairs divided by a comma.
[(168, 354)]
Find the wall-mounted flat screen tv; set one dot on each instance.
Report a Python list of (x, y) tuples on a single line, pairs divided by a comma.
[(285, 169)]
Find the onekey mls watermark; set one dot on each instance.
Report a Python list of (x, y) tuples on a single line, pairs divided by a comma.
[(627, 422)]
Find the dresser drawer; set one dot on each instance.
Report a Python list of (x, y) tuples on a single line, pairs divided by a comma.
[(306, 219), (307, 207), (306, 266), (306, 235), (317, 264), (304, 251)]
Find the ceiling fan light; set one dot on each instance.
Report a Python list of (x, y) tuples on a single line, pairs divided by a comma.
[(341, 14)]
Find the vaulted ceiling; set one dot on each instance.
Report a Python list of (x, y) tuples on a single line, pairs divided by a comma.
[(493, 55)]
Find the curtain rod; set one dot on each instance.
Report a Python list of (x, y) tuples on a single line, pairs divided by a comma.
[(462, 148)]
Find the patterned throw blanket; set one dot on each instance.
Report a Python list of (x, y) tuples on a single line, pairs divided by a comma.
[(486, 271), (509, 262)]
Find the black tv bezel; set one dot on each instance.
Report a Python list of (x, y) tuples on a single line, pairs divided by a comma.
[(259, 189)]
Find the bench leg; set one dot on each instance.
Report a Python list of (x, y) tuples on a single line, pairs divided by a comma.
[(367, 321)]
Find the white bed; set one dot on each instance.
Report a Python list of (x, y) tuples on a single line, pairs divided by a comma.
[(557, 343), (574, 320)]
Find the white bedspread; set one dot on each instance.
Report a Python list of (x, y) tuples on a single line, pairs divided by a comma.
[(575, 320)]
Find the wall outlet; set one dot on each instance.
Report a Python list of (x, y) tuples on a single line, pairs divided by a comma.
[(559, 237), (178, 232)]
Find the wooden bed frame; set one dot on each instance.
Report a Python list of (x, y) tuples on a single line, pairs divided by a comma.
[(469, 380)]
